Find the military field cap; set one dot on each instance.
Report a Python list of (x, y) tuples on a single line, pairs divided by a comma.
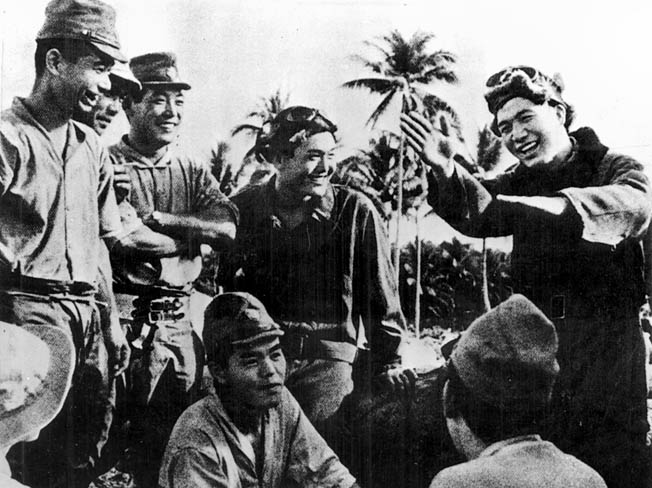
[(36, 366), (157, 69), (121, 75), (507, 357), (239, 318), (86, 20)]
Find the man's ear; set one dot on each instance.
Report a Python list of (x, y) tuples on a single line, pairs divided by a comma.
[(53, 61), (217, 372), (560, 112)]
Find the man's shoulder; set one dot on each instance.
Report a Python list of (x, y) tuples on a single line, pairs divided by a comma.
[(198, 425), (250, 201)]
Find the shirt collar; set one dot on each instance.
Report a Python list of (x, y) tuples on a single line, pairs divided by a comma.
[(21, 110), (498, 446), (322, 207), (138, 160)]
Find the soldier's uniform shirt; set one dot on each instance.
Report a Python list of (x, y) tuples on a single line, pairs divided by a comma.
[(520, 462), (174, 184), (585, 271), (53, 211), (323, 281), (167, 378), (332, 271), (206, 449)]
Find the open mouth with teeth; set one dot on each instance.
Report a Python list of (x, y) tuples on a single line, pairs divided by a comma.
[(528, 149), (167, 126)]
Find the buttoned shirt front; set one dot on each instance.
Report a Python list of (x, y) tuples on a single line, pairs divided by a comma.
[(53, 208), (206, 449), (332, 271)]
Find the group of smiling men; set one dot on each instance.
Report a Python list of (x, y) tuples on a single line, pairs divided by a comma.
[(306, 267)]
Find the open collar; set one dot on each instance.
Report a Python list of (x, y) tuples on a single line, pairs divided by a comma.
[(137, 159), (322, 207)]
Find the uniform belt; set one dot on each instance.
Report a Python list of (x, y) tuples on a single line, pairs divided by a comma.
[(297, 345), (565, 306), (42, 286), (151, 291)]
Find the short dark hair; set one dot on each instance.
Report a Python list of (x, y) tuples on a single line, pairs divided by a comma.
[(491, 423), (71, 49)]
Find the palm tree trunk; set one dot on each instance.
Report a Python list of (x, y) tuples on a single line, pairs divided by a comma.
[(399, 210), (417, 298), (485, 281)]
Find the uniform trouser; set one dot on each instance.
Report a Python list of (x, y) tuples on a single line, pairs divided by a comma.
[(599, 411), (66, 451), (165, 380), (320, 386)]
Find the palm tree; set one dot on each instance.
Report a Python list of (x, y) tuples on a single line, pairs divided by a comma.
[(488, 157), (267, 109), (220, 168), (404, 70), (251, 170)]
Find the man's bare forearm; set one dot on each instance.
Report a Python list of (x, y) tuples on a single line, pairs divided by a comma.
[(143, 242), (216, 229)]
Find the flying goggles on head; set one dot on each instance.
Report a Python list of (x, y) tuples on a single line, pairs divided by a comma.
[(522, 82), (288, 123)]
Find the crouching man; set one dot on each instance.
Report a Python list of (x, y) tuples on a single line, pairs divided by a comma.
[(500, 379), (252, 432)]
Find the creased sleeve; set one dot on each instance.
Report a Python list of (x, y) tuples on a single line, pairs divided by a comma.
[(209, 199), (8, 161), (619, 207), (194, 468), (111, 228), (468, 204), (311, 463), (376, 298)]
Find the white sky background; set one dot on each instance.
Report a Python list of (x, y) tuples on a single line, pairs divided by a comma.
[(234, 52)]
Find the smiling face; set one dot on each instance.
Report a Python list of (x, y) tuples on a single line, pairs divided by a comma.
[(81, 83), (255, 374), (156, 119), (307, 172), (107, 107), (534, 134)]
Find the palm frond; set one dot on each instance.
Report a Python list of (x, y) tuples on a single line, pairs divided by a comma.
[(381, 108), (375, 66), (252, 129), (374, 85)]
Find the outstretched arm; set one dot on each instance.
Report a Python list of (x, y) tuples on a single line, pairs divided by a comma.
[(460, 198)]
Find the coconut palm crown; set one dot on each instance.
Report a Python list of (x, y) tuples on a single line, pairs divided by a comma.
[(405, 68)]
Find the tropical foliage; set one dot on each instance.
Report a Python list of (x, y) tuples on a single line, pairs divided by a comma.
[(452, 282)]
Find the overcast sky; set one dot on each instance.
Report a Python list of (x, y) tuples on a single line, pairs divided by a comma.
[(234, 52)]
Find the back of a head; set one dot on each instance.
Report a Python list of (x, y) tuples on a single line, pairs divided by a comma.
[(502, 370)]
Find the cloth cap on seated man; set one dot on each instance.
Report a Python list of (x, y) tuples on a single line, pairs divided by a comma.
[(238, 319), (524, 82), (507, 357), (36, 366), (85, 20)]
